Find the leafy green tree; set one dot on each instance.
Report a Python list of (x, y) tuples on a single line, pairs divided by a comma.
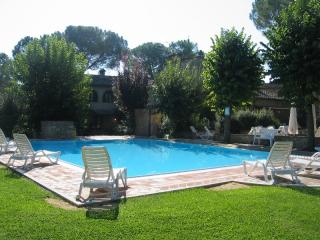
[(102, 48), (153, 56), (184, 49), (265, 12), (293, 54), (21, 45), (51, 74), (6, 69), (131, 90), (177, 92), (232, 73)]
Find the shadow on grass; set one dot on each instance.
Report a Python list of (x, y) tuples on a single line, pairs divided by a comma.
[(307, 190), (11, 174), (108, 211)]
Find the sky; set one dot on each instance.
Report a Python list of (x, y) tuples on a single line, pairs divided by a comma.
[(138, 21)]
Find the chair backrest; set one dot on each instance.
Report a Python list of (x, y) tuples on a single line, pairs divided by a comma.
[(23, 143), (3, 139), (279, 154), (193, 129), (208, 132), (97, 162)]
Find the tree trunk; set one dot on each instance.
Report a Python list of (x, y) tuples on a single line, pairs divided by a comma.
[(227, 126), (310, 128)]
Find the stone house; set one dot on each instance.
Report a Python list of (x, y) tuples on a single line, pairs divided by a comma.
[(268, 97), (102, 104)]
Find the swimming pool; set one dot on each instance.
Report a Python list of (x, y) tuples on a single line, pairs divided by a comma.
[(147, 157)]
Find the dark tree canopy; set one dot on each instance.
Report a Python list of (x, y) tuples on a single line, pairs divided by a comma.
[(184, 49), (265, 12), (131, 89), (153, 56), (293, 54), (21, 45), (5, 70), (53, 83), (232, 71), (102, 48)]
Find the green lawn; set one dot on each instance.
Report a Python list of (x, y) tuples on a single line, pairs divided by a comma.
[(251, 213)]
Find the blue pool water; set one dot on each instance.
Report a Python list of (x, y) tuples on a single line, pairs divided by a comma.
[(146, 157)]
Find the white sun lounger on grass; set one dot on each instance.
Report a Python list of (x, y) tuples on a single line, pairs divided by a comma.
[(99, 172), (5, 144), (306, 164), (276, 163), (25, 152)]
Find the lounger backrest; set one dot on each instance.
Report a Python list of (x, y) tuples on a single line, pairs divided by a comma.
[(208, 131), (3, 139), (23, 143), (97, 162), (279, 154), (193, 129)]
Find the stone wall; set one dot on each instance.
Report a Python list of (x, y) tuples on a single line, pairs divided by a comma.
[(58, 129), (147, 122)]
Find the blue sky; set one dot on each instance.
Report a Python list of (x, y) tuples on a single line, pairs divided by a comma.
[(138, 21)]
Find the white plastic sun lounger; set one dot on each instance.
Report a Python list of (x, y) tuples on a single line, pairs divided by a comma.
[(4, 143), (25, 151), (306, 164), (99, 172), (276, 163), (197, 134), (208, 133)]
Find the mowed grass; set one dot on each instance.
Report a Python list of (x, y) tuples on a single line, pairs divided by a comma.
[(251, 213)]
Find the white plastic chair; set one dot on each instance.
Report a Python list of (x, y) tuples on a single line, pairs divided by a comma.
[(209, 134), (197, 134), (99, 172), (25, 151), (277, 162), (5, 144), (306, 164)]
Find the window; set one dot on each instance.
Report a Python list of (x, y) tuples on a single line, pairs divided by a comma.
[(94, 96), (107, 97)]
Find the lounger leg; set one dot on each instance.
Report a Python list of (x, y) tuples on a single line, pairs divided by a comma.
[(124, 178), (245, 168), (80, 192), (295, 177)]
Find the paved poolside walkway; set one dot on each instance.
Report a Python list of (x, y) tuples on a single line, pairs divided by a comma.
[(64, 179)]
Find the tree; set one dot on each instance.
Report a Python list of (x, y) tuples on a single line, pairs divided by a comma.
[(293, 54), (177, 92), (21, 45), (131, 90), (153, 56), (6, 69), (51, 75), (102, 48), (265, 12), (184, 49), (232, 73)]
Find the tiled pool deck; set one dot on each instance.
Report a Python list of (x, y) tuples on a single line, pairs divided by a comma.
[(64, 179)]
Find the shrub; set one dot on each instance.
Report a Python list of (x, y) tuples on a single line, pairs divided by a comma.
[(246, 119), (266, 118)]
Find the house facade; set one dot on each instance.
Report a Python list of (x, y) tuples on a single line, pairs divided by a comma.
[(269, 97), (102, 104)]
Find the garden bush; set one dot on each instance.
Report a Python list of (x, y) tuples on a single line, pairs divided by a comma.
[(266, 118), (243, 120)]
